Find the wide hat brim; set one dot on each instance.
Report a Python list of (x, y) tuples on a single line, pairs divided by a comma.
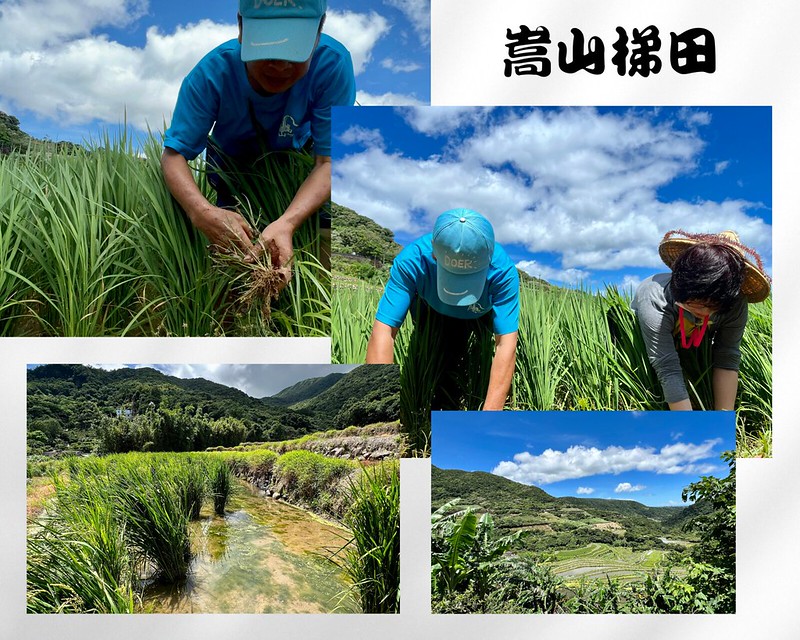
[(755, 284), (289, 39)]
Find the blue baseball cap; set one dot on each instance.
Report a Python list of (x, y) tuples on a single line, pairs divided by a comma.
[(280, 29), (463, 244)]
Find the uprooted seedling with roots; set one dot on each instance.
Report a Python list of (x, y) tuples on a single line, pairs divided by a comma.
[(256, 282)]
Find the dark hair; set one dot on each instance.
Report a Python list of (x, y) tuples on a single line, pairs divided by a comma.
[(710, 273)]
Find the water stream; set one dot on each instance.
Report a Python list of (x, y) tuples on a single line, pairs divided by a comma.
[(263, 556)]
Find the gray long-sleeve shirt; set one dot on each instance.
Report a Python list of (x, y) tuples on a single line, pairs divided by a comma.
[(658, 317)]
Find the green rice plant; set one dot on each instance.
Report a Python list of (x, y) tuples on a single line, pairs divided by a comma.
[(540, 366), (221, 485), (157, 524), (77, 557), (190, 476), (62, 576), (371, 558)]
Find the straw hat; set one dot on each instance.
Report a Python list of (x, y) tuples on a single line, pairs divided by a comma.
[(756, 283)]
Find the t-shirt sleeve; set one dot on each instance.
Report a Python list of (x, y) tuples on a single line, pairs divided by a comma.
[(337, 87), (726, 353), (194, 116), (505, 302), (656, 325), (398, 294)]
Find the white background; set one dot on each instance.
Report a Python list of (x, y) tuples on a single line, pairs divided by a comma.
[(758, 58)]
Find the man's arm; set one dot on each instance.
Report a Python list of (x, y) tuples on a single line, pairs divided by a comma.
[(724, 383), (380, 349), (220, 226), (312, 194), (505, 357)]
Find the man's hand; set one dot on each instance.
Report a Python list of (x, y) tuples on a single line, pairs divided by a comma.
[(276, 240), (502, 371), (225, 229)]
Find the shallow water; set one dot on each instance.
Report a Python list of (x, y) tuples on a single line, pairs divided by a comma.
[(263, 556)]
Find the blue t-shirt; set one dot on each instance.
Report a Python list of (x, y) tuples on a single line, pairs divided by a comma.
[(414, 274), (217, 94)]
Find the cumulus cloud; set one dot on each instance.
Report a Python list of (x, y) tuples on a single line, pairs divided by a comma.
[(418, 13), (627, 487), (584, 491), (358, 32), (56, 62), (538, 270), (397, 66), (580, 461), (577, 183), (360, 135), (29, 25), (443, 120), (388, 99)]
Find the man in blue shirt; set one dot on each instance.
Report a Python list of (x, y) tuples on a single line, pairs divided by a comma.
[(273, 88), (461, 280)]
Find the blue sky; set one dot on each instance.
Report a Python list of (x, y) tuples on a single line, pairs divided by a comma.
[(69, 69), (256, 380), (648, 456), (576, 195)]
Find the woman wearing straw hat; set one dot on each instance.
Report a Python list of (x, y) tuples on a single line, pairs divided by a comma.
[(705, 297)]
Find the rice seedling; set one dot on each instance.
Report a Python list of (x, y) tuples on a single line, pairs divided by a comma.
[(220, 484), (371, 558), (157, 524)]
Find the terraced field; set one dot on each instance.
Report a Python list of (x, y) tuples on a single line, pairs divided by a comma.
[(600, 560)]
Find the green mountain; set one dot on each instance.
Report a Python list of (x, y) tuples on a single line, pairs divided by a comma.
[(550, 522), (303, 390), (368, 394), (69, 407)]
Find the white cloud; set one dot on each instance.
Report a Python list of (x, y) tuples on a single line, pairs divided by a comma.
[(361, 135), (538, 270), (627, 487), (358, 32), (96, 78), (579, 462), (30, 25), (584, 491), (443, 120), (396, 66), (720, 167), (577, 183), (385, 99), (418, 13), (56, 62)]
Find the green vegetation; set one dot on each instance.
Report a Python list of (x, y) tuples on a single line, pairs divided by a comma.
[(576, 351), (371, 558), (477, 567), (93, 244), (360, 248), (119, 524), (77, 409)]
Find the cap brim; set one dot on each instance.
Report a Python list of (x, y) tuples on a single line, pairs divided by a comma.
[(460, 290), (279, 38)]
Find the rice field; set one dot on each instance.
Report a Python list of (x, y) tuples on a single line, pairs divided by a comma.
[(598, 560), (93, 244), (169, 532), (576, 352)]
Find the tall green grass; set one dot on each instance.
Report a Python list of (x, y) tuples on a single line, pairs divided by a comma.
[(93, 244), (371, 558)]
